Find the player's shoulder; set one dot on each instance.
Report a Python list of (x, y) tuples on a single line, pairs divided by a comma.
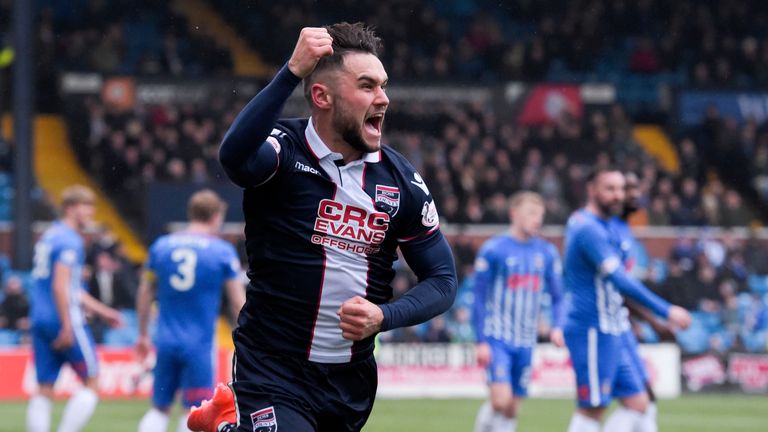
[(289, 130), (583, 222), (545, 245), (495, 244), (221, 245), (393, 157), (64, 237), (406, 174)]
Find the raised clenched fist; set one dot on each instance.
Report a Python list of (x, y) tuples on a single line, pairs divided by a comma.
[(314, 43)]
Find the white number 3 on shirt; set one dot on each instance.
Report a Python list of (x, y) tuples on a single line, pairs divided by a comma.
[(187, 261)]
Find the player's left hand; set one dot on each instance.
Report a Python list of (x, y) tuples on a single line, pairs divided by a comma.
[(556, 337), (113, 317), (359, 318)]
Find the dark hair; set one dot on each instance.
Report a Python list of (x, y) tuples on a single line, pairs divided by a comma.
[(595, 172), (347, 38)]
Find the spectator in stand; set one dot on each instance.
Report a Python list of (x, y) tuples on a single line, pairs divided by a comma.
[(14, 309), (679, 287)]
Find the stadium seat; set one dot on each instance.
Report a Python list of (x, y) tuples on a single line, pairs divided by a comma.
[(126, 335), (758, 283), (9, 337), (694, 339)]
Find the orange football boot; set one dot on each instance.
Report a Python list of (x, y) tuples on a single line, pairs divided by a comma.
[(213, 412)]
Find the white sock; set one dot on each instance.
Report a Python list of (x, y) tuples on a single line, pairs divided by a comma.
[(502, 423), (483, 420), (154, 421), (648, 423), (582, 423), (183, 423), (622, 420), (79, 410), (39, 414)]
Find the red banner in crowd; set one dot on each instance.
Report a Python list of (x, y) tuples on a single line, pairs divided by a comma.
[(547, 102), (750, 371)]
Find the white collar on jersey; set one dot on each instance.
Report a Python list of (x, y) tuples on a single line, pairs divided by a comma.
[(321, 151)]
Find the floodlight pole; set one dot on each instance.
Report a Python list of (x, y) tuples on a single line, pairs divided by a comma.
[(23, 112)]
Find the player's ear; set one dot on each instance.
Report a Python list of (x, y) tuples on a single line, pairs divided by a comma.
[(321, 96)]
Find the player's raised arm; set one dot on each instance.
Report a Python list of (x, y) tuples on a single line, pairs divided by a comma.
[(244, 153)]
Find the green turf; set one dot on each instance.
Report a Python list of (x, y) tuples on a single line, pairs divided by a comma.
[(691, 413)]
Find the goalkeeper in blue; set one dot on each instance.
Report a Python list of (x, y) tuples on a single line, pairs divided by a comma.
[(598, 282), (511, 272)]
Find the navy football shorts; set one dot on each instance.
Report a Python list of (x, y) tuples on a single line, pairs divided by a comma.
[(277, 392)]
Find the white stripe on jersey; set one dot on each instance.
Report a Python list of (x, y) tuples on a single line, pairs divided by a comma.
[(346, 272), (496, 306), (609, 304), (87, 349), (75, 298), (528, 330), (594, 378)]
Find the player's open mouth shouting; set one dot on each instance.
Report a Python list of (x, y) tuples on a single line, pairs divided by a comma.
[(373, 124)]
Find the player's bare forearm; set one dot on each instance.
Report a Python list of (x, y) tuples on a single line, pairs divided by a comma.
[(61, 277), (658, 326), (236, 297), (111, 315), (144, 302)]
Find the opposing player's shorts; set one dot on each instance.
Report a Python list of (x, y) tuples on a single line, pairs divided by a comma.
[(189, 369), (274, 392), (510, 365), (602, 366), (81, 356), (629, 340)]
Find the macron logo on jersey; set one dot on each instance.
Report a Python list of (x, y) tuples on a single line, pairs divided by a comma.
[(304, 168), (420, 183)]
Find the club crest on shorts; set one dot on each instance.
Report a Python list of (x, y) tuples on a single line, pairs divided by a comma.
[(264, 420), (387, 199)]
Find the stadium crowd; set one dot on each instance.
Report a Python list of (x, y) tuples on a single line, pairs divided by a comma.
[(707, 43)]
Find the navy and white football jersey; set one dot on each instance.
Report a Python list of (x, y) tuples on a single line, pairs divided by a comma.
[(319, 232)]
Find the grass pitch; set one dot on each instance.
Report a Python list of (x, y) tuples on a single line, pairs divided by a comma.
[(713, 413)]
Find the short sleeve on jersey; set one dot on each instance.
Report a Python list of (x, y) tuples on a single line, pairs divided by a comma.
[(231, 262), (67, 257)]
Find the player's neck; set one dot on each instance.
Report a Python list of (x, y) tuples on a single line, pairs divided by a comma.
[(199, 228), (518, 234), (70, 222), (334, 141), (595, 210)]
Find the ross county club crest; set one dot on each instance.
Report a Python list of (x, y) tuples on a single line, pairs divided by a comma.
[(264, 420), (387, 199)]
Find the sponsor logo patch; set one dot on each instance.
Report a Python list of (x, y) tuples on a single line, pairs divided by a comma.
[(264, 420), (429, 217), (387, 199)]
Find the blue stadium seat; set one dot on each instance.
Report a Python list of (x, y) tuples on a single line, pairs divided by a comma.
[(758, 283), (9, 337), (126, 335), (694, 339)]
